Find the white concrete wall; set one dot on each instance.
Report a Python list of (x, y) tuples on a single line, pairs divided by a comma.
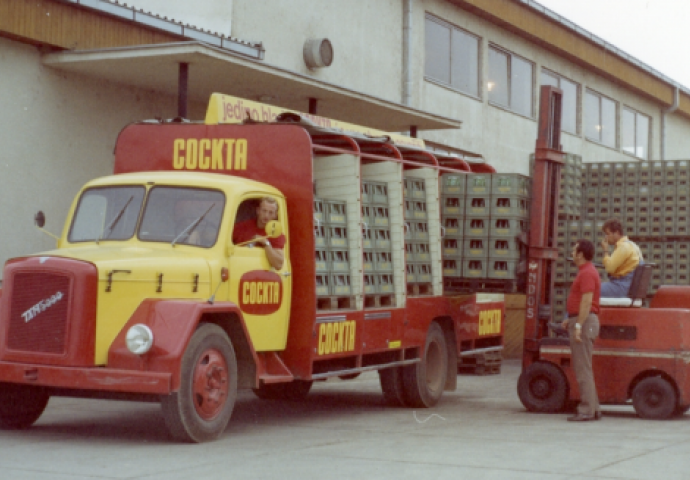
[(57, 131)]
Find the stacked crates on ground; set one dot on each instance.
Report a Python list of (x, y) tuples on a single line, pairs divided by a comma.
[(332, 255), (377, 253), (482, 244), (652, 201), (417, 247)]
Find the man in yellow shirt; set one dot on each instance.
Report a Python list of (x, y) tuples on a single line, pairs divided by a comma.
[(621, 264)]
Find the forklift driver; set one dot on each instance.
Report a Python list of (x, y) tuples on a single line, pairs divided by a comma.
[(256, 227), (620, 265)]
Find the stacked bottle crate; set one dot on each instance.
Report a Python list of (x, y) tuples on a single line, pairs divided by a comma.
[(331, 252), (417, 247), (652, 201), (475, 245), (453, 188), (377, 253)]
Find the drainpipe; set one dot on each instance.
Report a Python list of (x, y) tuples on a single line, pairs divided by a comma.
[(671, 109), (407, 53)]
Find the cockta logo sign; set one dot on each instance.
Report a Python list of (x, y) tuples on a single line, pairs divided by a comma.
[(210, 154), (260, 293)]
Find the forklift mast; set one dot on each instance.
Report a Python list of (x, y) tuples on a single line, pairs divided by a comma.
[(546, 179)]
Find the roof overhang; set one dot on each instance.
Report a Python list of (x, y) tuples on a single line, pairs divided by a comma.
[(212, 69)]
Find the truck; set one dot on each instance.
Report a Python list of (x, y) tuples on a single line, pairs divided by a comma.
[(148, 298), (642, 355)]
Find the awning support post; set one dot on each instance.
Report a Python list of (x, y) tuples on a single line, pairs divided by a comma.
[(182, 89)]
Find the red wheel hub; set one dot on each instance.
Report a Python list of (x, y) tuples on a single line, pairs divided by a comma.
[(211, 384)]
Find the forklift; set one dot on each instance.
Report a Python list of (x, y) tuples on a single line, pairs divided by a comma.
[(642, 354)]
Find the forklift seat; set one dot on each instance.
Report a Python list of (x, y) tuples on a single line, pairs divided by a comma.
[(638, 289)]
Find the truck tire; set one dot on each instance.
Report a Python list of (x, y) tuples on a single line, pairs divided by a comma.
[(543, 388), (202, 407), (391, 380), (295, 390), (21, 405), (681, 410), (423, 382), (654, 398)]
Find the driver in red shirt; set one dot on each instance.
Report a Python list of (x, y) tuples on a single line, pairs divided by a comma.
[(252, 228)]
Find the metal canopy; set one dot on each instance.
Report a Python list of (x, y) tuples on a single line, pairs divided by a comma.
[(211, 69)]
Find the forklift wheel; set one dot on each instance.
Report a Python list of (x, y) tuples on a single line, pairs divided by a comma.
[(654, 398), (543, 388)]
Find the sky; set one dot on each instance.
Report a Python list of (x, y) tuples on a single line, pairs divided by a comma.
[(653, 31)]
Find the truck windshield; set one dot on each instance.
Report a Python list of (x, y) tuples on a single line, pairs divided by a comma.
[(189, 216), (107, 213)]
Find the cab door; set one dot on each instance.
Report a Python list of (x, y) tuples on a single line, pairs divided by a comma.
[(262, 292)]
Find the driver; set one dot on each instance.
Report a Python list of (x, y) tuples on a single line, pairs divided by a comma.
[(252, 228)]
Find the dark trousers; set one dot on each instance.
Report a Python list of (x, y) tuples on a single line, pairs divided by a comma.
[(582, 363)]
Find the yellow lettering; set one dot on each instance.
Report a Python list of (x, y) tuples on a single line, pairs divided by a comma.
[(351, 346), (241, 154), (341, 335), (245, 294), (229, 142), (276, 292), (192, 152), (178, 150), (217, 154), (204, 150), (322, 336), (329, 337)]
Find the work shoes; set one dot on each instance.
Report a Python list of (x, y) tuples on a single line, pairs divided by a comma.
[(582, 418), (597, 415)]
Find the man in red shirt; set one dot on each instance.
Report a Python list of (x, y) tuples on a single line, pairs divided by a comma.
[(583, 327), (252, 228)]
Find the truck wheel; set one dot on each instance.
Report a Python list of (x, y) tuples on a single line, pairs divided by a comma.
[(392, 386), (681, 410), (202, 407), (21, 405), (295, 390), (543, 388), (654, 398), (423, 382)]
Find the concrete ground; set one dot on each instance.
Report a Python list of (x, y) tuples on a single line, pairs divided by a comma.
[(343, 430)]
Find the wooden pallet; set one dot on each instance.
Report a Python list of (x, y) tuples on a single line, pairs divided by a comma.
[(378, 301), (335, 303), (487, 363)]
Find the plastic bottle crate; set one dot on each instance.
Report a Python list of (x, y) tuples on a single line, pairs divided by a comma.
[(337, 237), (631, 172), (475, 247), (644, 170), (507, 248), (384, 262), (670, 169), (370, 284), (452, 183), (606, 171), (510, 184), (474, 268), (320, 236), (321, 260), (335, 212), (682, 170), (502, 269), (478, 184), (368, 260), (339, 260), (381, 216), (477, 226), (384, 283), (453, 205), (477, 206), (452, 248), (419, 210), (619, 171), (419, 273), (323, 282), (417, 231), (367, 192), (453, 226), (417, 252), (508, 227), (513, 206), (380, 193), (368, 215), (414, 188), (340, 284), (452, 268), (410, 273), (382, 239), (658, 169), (318, 210)]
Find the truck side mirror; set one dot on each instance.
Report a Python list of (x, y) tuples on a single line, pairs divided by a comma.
[(40, 219)]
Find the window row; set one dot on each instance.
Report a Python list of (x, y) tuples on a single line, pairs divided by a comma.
[(452, 58)]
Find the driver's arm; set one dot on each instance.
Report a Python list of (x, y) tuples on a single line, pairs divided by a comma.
[(275, 256)]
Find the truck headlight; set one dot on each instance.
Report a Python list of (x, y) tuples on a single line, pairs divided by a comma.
[(139, 339)]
